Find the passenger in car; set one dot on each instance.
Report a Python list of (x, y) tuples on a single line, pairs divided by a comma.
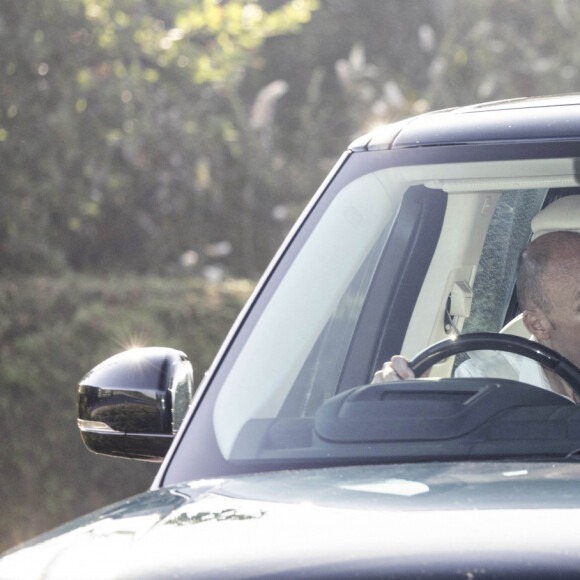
[(548, 289)]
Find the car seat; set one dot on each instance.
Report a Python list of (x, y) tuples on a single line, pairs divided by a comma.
[(561, 215)]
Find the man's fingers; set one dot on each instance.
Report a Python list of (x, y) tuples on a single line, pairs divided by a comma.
[(401, 367), (394, 370)]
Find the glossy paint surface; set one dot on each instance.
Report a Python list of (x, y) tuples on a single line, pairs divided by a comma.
[(514, 120), (439, 520)]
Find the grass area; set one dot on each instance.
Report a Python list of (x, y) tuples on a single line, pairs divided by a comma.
[(52, 331)]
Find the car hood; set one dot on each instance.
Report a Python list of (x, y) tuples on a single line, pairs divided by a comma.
[(397, 520)]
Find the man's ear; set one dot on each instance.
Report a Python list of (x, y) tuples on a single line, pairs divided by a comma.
[(538, 324)]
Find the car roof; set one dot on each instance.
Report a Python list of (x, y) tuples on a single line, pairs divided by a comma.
[(514, 120)]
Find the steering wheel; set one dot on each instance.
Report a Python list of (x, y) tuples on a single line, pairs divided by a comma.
[(547, 357)]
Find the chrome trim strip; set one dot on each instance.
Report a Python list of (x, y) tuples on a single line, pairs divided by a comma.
[(96, 427)]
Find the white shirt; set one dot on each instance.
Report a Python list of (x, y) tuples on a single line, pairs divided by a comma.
[(504, 365)]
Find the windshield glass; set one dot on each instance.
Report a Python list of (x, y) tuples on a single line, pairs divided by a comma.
[(306, 328), (391, 259)]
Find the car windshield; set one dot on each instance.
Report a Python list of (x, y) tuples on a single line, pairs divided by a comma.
[(392, 256)]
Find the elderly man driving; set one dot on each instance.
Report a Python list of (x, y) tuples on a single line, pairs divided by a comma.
[(548, 289)]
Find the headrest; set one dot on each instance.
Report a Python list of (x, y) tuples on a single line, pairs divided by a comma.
[(560, 216)]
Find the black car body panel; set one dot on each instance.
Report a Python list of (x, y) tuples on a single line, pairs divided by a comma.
[(514, 120), (445, 520)]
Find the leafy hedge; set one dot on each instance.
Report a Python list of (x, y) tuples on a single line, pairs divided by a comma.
[(52, 331)]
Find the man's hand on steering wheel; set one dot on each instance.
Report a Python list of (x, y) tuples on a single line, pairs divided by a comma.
[(395, 370), (400, 368)]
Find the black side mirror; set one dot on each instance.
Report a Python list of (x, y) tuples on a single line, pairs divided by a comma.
[(132, 404)]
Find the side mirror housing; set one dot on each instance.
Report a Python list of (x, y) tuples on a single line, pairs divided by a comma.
[(132, 404)]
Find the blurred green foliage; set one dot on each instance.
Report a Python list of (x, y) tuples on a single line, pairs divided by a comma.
[(115, 124), (149, 148), (142, 135)]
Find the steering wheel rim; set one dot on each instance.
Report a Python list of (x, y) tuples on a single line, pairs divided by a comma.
[(547, 357)]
